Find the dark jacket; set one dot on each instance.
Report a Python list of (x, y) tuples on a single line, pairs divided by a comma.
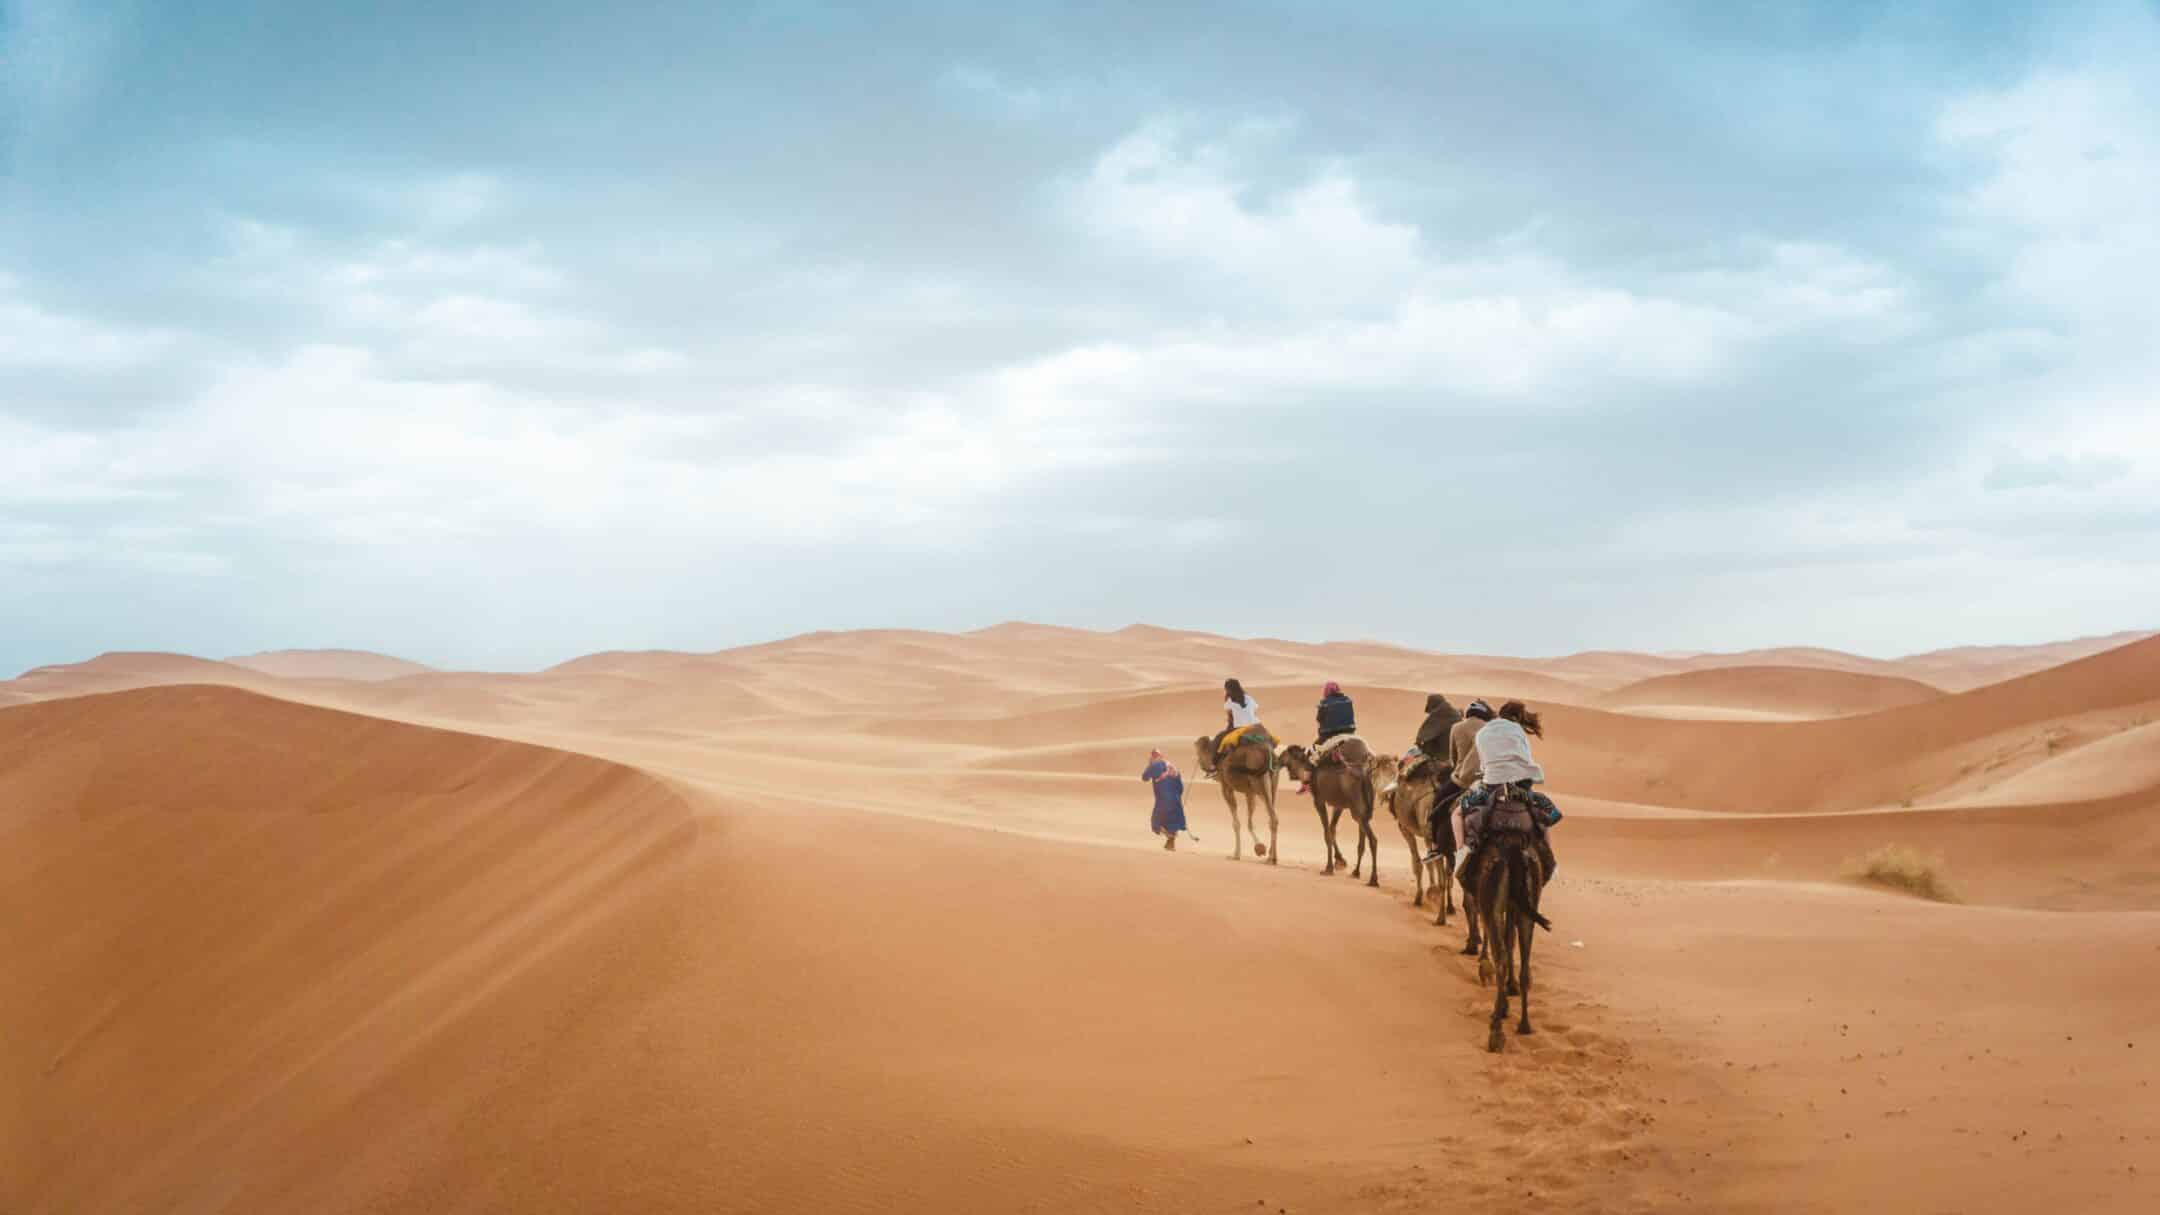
[(1440, 717), (1336, 716)]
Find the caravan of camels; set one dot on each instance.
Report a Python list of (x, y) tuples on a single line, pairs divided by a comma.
[(1463, 796)]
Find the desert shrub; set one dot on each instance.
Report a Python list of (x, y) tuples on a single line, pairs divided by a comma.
[(1901, 868)]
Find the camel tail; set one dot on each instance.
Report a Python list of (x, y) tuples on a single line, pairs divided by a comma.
[(1519, 890)]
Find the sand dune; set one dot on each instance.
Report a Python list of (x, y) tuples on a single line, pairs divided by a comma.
[(123, 670), (1896, 756), (1965, 667), (1785, 691), (242, 933), (328, 664), (870, 922)]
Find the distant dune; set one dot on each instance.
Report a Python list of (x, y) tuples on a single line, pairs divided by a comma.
[(1788, 691), (121, 670), (1968, 667), (329, 664)]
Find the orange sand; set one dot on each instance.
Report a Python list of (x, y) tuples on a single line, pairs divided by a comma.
[(871, 921)]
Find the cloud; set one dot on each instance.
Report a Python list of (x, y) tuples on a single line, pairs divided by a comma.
[(2056, 472), (34, 337), (1360, 303)]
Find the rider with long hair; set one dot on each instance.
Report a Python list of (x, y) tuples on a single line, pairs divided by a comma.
[(1507, 770), (1240, 711)]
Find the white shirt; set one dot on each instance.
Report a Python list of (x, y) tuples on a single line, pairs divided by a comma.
[(1242, 715), (1503, 752)]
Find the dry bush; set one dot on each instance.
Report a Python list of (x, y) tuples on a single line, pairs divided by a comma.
[(1901, 868)]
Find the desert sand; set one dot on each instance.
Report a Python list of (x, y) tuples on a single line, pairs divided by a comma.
[(871, 921)]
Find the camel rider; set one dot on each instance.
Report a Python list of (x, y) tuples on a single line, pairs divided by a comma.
[(1462, 773), (1430, 748), (1337, 718), (1336, 715), (1240, 710), (1440, 717), (1505, 763)]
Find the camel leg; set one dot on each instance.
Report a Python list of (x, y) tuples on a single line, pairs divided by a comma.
[(1237, 841), (1358, 869), (1274, 847), (1327, 834), (1367, 837), (1525, 934), (1499, 957), (1505, 941), (1495, 1035), (1473, 909), (1484, 962), (1417, 864)]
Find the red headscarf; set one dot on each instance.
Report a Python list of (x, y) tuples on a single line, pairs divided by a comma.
[(1332, 689)]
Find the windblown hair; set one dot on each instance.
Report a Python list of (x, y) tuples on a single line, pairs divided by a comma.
[(1521, 715), (1234, 690)]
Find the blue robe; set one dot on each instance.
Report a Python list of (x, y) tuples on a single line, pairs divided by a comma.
[(1169, 816)]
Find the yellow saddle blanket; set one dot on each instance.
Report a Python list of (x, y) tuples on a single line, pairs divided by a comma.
[(1256, 732)]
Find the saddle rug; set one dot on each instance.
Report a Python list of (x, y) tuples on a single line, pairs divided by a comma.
[(1252, 733), (1327, 745)]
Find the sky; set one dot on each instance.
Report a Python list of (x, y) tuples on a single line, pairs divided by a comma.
[(492, 334)]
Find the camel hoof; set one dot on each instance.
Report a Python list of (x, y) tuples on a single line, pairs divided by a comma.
[(1496, 1041), (1271, 860), (1374, 880), (1470, 950), (1524, 1030), (1419, 901)]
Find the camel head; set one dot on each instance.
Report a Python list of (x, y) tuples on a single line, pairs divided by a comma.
[(1204, 752), (1385, 768), (1297, 763)]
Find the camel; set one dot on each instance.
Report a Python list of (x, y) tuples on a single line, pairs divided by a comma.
[(1410, 802), (1509, 883), (1248, 768), (1343, 785)]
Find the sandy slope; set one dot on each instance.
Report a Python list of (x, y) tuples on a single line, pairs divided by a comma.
[(240, 933), (868, 922)]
